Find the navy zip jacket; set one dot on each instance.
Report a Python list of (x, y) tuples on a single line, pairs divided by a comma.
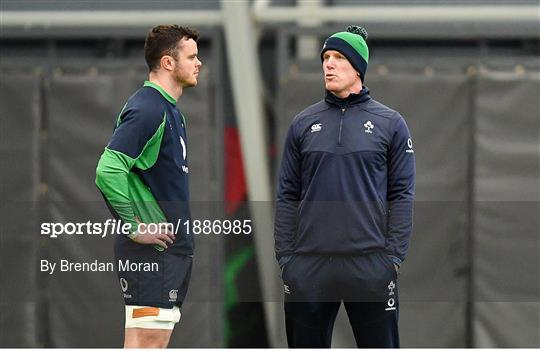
[(346, 184)]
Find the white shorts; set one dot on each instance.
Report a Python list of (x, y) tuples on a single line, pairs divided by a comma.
[(151, 317)]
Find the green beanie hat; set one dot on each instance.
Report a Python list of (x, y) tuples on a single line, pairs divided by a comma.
[(352, 44)]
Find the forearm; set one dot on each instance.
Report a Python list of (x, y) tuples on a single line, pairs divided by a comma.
[(400, 222), (285, 227)]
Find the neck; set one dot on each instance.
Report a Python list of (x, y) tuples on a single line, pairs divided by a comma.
[(355, 89), (351, 99), (167, 83)]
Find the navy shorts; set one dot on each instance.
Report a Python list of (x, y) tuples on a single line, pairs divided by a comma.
[(149, 277)]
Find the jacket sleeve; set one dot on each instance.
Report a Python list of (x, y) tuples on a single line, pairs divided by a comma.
[(288, 198), (135, 131), (401, 183)]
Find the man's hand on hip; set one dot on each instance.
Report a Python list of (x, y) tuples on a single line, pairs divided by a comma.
[(163, 235)]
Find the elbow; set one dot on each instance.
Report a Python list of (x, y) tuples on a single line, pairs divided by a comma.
[(401, 190), (100, 175)]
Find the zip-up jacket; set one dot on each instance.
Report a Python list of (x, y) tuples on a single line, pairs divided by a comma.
[(346, 184)]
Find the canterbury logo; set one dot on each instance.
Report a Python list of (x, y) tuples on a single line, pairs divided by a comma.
[(316, 127)]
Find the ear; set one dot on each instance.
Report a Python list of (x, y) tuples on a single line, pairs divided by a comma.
[(167, 62)]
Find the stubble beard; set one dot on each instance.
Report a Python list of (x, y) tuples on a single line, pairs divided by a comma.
[(184, 82)]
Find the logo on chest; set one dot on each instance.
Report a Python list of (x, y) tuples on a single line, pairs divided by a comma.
[(316, 127), (184, 151), (185, 169), (369, 127)]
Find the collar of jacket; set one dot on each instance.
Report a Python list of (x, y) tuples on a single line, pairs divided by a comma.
[(352, 99)]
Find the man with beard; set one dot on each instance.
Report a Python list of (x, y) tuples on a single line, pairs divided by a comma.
[(143, 176), (344, 206)]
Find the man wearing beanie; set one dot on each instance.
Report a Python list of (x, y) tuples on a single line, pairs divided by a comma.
[(344, 206)]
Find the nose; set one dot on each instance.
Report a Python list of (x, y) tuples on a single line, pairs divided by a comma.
[(199, 63), (329, 63)]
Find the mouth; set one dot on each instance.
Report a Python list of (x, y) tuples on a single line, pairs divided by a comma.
[(330, 76)]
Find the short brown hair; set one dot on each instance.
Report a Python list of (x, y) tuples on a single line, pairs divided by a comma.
[(163, 40)]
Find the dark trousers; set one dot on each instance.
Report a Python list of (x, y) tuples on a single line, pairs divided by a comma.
[(315, 286)]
